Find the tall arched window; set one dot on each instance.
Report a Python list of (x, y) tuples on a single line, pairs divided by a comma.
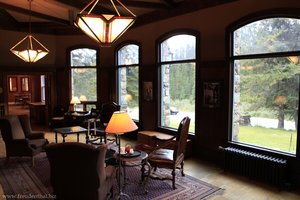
[(265, 83), (83, 63), (178, 80), (128, 79)]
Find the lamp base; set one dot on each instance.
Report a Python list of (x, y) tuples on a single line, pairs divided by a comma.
[(120, 194)]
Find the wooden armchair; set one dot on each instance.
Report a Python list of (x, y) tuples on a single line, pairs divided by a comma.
[(19, 139), (78, 171), (169, 153), (99, 133), (57, 119)]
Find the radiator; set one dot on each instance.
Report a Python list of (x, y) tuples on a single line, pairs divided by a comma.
[(257, 166)]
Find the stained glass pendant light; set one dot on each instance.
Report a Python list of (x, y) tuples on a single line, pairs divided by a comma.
[(29, 48), (104, 28)]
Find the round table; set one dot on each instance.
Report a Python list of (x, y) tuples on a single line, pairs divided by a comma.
[(138, 158)]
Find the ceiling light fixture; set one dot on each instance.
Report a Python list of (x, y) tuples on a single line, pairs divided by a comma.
[(104, 28), (29, 48)]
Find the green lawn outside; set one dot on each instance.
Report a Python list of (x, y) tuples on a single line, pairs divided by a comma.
[(277, 139), (175, 124)]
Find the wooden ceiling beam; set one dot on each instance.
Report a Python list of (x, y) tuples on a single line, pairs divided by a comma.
[(170, 3), (143, 4), (33, 13), (189, 6), (7, 21)]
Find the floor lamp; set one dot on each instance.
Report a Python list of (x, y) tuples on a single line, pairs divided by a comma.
[(120, 123)]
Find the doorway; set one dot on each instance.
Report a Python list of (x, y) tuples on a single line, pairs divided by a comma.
[(27, 94)]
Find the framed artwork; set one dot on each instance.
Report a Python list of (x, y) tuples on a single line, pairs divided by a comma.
[(212, 94), (13, 84), (24, 84), (148, 91)]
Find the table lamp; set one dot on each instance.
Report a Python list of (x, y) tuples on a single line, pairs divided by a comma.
[(120, 123), (74, 100), (82, 98)]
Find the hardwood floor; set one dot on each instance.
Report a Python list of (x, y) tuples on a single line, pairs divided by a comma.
[(235, 187)]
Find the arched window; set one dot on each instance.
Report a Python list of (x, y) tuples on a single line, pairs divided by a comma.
[(265, 83), (177, 80), (128, 79), (83, 63)]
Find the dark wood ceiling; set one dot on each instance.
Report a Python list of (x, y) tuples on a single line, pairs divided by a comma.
[(57, 16)]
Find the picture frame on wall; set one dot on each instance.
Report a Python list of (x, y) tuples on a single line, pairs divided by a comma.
[(148, 91), (212, 94)]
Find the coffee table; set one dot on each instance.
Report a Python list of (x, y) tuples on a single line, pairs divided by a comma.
[(65, 131)]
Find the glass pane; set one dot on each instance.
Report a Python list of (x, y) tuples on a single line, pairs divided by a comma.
[(128, 55), (129, 90), (83, 57), (179, 47), (265, 100), (84, 83), (267, 36), (178, 94)]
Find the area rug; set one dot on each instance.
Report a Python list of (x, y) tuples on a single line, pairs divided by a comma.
[(21, 181)]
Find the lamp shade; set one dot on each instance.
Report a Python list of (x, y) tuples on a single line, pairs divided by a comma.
[(294, 59), (82, 98), (75, 100), (29, 49), (119, 123), (104, 29)]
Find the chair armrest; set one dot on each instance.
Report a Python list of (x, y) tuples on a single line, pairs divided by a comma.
[(170, 144), (20, 141), (145, 147), (36, 135)]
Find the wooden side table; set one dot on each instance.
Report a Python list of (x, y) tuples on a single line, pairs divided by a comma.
[(141, 159)]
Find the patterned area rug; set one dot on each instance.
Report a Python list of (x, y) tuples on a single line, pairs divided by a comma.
[(21, 181)]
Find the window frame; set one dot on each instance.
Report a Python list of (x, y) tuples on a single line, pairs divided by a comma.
[(118, 48), (231, 57), (160, 63), (69, 50)]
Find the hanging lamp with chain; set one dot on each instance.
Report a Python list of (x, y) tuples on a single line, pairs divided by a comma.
[(29, 48), (104, 28)]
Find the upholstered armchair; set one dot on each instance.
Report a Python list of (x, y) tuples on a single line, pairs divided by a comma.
[(19, 138), (26, 125), (78, 171), (169, 153)]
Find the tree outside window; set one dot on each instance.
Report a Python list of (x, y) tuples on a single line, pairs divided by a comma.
[(84, 73), (266, 84), (178, 72), (128, 79)]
